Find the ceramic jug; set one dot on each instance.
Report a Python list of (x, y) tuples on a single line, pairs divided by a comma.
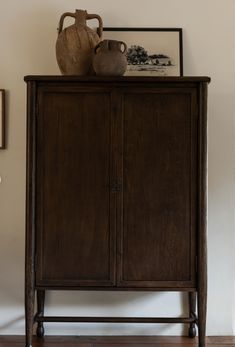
[(110, 58), (75, 44)]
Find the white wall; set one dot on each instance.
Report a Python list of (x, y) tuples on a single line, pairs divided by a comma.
[(27, 39)]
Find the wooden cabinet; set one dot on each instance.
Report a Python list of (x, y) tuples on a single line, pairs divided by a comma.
[(116, 190)]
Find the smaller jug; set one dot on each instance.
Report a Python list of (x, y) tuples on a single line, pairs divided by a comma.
[(109, 58)]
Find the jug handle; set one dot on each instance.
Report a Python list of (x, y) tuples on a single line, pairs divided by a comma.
[(100, 29), (125, 46), (96, 47), (61, 22)]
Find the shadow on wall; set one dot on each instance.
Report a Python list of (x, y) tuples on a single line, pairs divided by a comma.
[(119, 304), (98, 300), (11, 323)]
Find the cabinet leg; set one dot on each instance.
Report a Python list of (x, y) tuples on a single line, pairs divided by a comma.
[(202, 318), (192, 313), (40, 311), (29, 313)]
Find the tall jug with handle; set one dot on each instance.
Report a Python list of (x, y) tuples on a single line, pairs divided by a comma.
[(75, 44)]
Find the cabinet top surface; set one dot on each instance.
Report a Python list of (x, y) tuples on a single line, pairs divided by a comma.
[(116, 79)]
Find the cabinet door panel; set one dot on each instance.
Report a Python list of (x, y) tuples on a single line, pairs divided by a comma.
[(75, 237), (157, 243)]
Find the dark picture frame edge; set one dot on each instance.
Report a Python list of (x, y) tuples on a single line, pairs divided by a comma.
[(2, 119), (151, 29)]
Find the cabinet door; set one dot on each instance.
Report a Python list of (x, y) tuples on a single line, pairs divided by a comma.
[(157, 244), (75, 238)]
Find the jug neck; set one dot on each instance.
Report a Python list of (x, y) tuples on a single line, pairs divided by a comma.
[(114, 44), (81, 17)]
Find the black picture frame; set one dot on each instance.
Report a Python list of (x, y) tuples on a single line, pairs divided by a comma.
[(157, 51)]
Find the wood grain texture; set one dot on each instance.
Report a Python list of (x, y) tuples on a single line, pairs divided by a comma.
[(30, 212), (73, 219), (202, 215), (159, 189), (117, 341), (119, 79)]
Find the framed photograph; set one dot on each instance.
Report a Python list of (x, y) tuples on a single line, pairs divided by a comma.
[(150, 51), (2, 118)]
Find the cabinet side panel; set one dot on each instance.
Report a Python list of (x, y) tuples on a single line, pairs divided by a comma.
[(159, 189), (73, 205)]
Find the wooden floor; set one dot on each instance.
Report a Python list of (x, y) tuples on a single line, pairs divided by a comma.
[(116, 341)]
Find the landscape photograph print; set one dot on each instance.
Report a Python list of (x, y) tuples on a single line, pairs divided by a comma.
[(150, 51)]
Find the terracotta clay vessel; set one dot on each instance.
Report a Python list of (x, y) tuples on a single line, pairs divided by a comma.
[(75, 44), (109, 58)]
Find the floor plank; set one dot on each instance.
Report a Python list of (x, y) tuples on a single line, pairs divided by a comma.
[(117, 341), (229, 340)]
